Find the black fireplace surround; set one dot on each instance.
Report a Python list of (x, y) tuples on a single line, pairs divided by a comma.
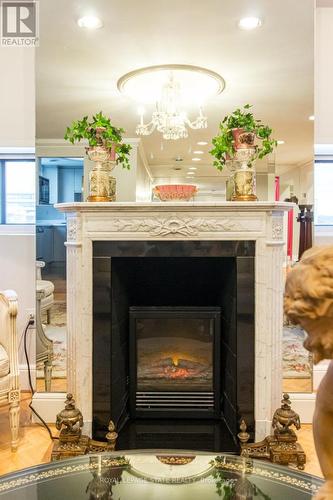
[(173, 342)]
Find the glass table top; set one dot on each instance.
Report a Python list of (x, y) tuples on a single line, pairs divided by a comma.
[(142, 475)]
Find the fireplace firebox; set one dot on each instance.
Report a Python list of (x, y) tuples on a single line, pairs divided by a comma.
[(173, 342), (174, 362)]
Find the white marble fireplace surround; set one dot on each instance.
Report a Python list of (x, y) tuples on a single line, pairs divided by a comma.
[(262, 222)]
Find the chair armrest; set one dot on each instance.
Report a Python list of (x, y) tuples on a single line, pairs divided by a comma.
[(8, 332), (39, 266)]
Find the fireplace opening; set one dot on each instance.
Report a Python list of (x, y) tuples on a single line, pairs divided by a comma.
[(173, 342), (174, 360)]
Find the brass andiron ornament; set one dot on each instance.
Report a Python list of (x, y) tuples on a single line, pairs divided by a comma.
[(281, 447), (71, 442)]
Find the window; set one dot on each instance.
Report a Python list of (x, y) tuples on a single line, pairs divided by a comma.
[(323, 182), (17, 185)]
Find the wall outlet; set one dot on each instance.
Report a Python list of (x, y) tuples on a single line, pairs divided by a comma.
[(31, 316)]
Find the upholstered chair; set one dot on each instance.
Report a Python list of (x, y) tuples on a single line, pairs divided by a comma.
[(44, 345), (9, 366), (47, 287)]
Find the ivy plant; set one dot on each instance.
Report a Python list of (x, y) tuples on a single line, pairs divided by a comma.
[(223, 143), (100, 132)]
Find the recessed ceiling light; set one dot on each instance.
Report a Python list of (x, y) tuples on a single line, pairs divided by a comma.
[(280, 142), (192, 168), (311, 117), (190, 173), (249, 23), (90, 22), (202, 143), (198, 152), (196, 159)]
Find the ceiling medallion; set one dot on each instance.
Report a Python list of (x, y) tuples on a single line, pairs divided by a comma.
[(173, 89)]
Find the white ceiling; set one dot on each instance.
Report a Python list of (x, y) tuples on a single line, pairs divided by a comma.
[(272, 67)]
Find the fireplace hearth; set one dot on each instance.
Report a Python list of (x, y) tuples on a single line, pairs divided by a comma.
[(174, 362)]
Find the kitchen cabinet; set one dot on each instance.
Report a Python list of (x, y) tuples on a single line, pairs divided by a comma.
[(50, 243), (44, 243), (59, 238)]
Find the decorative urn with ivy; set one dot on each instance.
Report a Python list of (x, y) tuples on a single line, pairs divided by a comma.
[(105, 149), (242, 140)]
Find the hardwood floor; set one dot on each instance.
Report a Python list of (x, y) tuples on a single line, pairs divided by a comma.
[(58, 385), (35, 445), (297, 385)]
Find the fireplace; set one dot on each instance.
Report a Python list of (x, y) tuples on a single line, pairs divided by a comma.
[(106, 241), (173, 342), (174, 362)]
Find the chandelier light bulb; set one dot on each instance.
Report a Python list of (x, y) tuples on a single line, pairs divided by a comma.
[(249, 23), (90, 22), (311, 118)]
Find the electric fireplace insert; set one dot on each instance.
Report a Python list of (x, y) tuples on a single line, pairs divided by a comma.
[(174, 360)]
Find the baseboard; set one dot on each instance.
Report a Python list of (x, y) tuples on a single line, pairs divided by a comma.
[(319, 372), (24, 377), (304, 405), (48, 405)]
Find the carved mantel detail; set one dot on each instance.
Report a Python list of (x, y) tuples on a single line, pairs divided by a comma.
[(277, 227), (73, 228), (177, 225)]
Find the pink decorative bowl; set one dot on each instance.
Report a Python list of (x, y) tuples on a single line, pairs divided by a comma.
[(175, 192)]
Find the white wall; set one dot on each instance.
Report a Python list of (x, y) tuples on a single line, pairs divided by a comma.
[(323, 95), (17, 130), (17, 97), (17, 265), (324, 76)]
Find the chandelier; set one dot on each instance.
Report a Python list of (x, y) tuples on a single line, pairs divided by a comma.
[(168, 119), (171, 88)]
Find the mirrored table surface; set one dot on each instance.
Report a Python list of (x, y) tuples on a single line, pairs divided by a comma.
[(147, 475)]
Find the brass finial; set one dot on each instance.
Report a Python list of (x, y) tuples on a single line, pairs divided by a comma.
[(285, 417), (70, 419), (111, 436), (243, 436)]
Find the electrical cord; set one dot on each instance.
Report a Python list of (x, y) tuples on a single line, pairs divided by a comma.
[(31, 322)]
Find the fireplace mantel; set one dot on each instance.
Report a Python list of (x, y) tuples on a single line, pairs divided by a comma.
[(262, 222)]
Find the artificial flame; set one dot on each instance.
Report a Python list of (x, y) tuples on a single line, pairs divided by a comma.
[(175, 360)]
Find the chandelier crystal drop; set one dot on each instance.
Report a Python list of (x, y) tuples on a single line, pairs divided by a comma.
[(168, 119)]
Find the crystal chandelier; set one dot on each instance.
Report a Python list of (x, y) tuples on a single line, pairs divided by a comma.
[(168, 119), (171, 88)]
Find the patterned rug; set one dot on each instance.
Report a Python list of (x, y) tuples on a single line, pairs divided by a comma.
[(296, 361), (57, 332)]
